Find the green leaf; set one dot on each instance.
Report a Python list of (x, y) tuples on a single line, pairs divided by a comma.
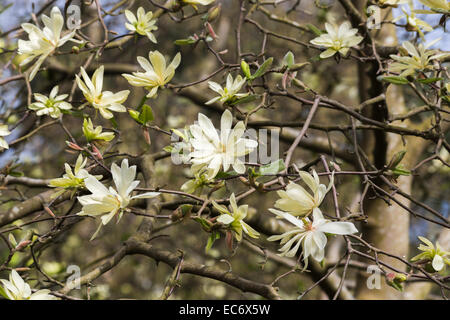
[(186, 209), (212, 238), (396, 159), (288, 59), (246, 99), (263, 68), (146, 114), (429, 80), (395, 80), (143, 117), (396, 286), (400, 171), (298, 66), (272, 168), (16, 173), (184, 42), (223, 175), (12, 240), (252, 173), (314, 29), (246, 69), (206, 225)]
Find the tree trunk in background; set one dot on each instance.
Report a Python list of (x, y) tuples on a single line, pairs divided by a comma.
[(388, 225)]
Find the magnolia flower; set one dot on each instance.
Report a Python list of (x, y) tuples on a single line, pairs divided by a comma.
[(413, 23), (417, 60), (299, 202), (43, 42), (230, 92), (436, 255), (310, 234), (234, 218), (3, 133), (156, 73), (75, 178), (96, 133), (194, 3), (181, 149), (216, 151), (105, 202), (436, 6), (337, 39), (17, 289), (104, 101), (51, 105), (143, 25)]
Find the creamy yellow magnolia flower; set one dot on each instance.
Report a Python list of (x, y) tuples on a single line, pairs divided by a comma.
[(234, 218), (299, 202), (417, 60), (3, 133), (435, 254), (194, 3), (337, 39), (75, 178), (51, 105), (413, 23), (230, 92), (105, 202), (310, 234), (156, 74), (104, 101), (96, 133), (213, 152), (436, 6), (181, 149), (43, 42), (144, 24), (17, 289)]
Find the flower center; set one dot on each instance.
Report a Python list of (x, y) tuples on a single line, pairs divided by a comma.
[(98, 99), (308, 225), (122, 202), (50, 103), (140, 26), (222, 148), (337, 44)]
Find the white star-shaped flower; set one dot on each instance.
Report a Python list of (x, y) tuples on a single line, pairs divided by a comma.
[(215, 151)]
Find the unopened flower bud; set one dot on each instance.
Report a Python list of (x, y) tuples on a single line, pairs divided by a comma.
[(74, 146), (75, 49), (22, 245), (214, 12)]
